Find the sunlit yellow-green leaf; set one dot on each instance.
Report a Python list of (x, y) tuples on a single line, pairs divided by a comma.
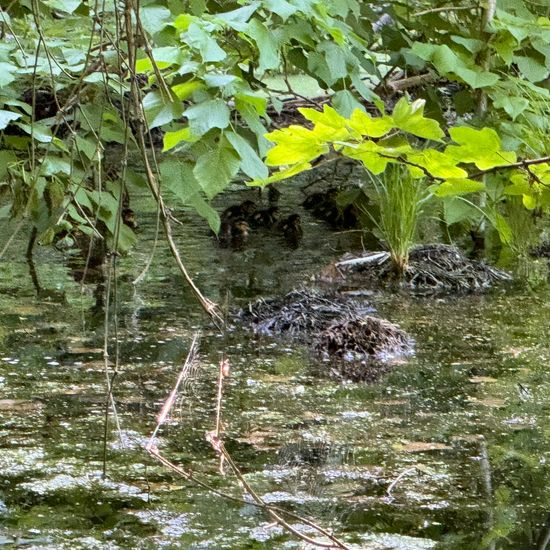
[(171, 139), (185, 89), (458, 186), (370, 154), (437, 164), (481, 147), (410, 118), (529, 201), (281, 175), (294, 144), (366, 125)]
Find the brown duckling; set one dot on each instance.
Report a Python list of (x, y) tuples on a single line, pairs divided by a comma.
[(234, 234), (239, 211), (291, 228), (264, 218)]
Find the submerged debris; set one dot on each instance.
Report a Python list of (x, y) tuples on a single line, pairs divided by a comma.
[(432, 268)]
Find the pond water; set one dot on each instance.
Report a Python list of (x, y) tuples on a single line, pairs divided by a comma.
[(449, 449)]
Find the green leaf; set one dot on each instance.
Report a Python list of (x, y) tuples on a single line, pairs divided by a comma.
[(366, 125), (178, 179), (530, 68), (345, 102), (237, 19), (294, 144), (370, 154), (209, 114), (410, 118), (154, 18), (215, 169), (512, 105), (201, 39), (6, 117), (37, 131), (281, 7), (159, 111), (251, 164), (458, 186), (68, 6), (172, 139), (185, 89), (6, 76), (281, 175), (438, 164), (266, 43), (482, 147)]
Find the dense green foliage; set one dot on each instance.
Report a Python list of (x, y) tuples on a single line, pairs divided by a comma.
[(78, 77)]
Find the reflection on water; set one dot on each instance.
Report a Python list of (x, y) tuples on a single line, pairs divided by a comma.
[(448, 450)]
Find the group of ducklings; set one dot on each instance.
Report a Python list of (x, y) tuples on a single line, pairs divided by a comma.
[(238, 220)]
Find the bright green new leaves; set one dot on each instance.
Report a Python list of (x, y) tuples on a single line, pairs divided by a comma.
[(458, 186), (534, 187), (480, 147), (294, 145), (365, 125), (370, 154), (409, 117)]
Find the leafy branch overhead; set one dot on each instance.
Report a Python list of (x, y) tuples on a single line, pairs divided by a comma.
[(453, 164)]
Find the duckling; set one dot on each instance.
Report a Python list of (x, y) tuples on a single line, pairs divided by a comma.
[(239, 211), (233, 234), (264, 218), (291, 228)]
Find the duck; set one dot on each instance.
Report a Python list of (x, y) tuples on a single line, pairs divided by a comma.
[(240, 211), (233, 234), (264, 218), (291, 227)]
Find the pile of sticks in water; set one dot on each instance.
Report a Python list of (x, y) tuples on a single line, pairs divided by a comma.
[(299, 314), (337, 328), (432, 267)]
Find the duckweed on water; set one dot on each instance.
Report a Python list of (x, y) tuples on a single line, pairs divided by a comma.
[(448, 449)]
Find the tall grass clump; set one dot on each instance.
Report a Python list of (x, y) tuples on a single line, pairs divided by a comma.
[(400, 199)]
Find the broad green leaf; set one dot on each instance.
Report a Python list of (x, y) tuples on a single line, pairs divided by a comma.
[(209, 114), (237, 19), (335, 58), (205, 42), (185, 89), (512, 105), (6, 117), (530, 68), (215, 169), (172, 139), (481, 147), (87, 146), (37, 131), (251, 164), (178, 179), (410, 118), (55, 165), (159, 110), (294, 144), (372, 156), (258, 102), (7, 73), (281, 175), (267, 44), (501, 225), (456, 210), (68, 6), (366, 125), (219, 80), (458, 186), (329, 125), (281, 7), (438, 164), (346, 102), (155, 18)]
